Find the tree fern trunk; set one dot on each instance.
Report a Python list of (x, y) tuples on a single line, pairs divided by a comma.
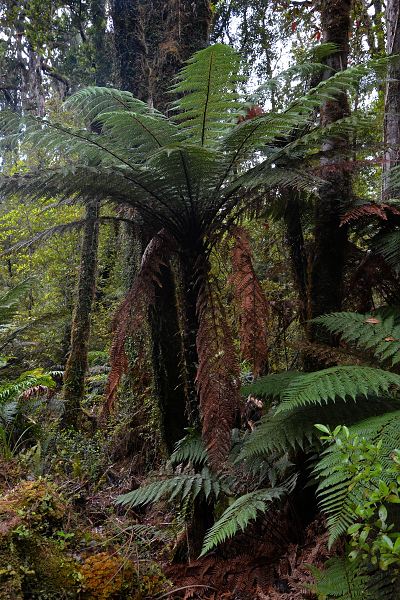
[(168, 361), (325, 291), (76, 367)]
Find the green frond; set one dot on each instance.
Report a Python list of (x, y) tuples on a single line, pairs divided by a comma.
[(181, 487), (339, 382), (378, 332), (388, 245), (341, 579), (190, 449), (262, 131), (91, 102), (8, 412), (58, 141), (208, 103), (10, 302), (270, 386), (142, 133), (295, 430), (244, 509), (11, 392)]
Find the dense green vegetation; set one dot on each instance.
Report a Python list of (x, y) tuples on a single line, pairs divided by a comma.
[(199, 321)]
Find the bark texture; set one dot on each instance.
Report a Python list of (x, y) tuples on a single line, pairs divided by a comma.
[(392, 97), (76, 367), (325, 291), (152, 39), (297, 252)]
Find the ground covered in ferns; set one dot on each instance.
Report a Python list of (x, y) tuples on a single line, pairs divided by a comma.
[(64, 537)]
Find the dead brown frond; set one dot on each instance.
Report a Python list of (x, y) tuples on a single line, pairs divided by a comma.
[(132, 313), (251, 301), (217, 375), (372, 209)]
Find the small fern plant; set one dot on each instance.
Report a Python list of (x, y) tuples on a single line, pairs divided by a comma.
[(18, 401), (342, 579), (192, 478)]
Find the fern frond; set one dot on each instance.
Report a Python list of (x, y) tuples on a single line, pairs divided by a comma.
[(336, 382), (244, 509), (270, 386), (388, 245), (369, 209), (181, 487), (8, 412), (295, 430), (141, 132), (190, 449), (262, 131), (341, 579), (378, 332), (208, 102), (91, 102), (10, 302)]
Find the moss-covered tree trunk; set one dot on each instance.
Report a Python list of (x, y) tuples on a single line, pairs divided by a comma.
[(392, 97), (325, 291), (76, 367), (152, 40)]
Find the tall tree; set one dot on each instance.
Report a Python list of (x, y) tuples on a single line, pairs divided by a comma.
[(77, 363), (392, 96), (325, 292), (76, 367)]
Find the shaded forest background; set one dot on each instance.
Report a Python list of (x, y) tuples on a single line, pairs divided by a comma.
[(199, 263)]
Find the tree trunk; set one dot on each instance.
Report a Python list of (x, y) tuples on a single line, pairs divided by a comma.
[(392, 98), (152, 40), (297, 253), (76, 367), (325, 291), (99, 22)]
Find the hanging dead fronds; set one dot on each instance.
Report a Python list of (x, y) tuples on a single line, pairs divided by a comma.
[(217, 375), (371, 209), (251, 302), (132, 313)]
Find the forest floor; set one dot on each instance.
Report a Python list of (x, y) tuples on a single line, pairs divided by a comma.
[(105, 546)]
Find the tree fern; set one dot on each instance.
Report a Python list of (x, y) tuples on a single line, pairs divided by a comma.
[(192, 174)]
